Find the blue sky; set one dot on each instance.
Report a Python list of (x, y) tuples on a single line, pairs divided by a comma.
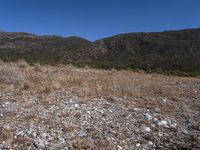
[(95, 19)]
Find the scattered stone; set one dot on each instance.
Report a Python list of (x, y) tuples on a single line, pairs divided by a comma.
[(138, 144), (184, 131), (147, 116), (1, 146), (173, 125), (164, 99), (157, 110), (136, 109), (147, 129), (82, 134), (39, 144), (160, 134), (62, 120), (155, 119), (119, 147), (76, 105), (163, 123), (150, 143)]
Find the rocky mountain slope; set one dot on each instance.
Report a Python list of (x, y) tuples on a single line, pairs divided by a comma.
[(170, 51)]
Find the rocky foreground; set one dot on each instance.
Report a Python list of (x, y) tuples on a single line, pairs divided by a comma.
[(68, 108)]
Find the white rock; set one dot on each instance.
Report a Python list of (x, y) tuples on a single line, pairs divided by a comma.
[(40, 144), (76, 105), (82, 134), (62, 140), (34, 134), (1, 146), (151, 143), (160, 134), (163, 123), (147, 129), (157, 110), (173, 125), (7, 127), (155, 119), (164, 99), (147, 116), (184, 131), (101, 111), (119, 147), (138, 144), (88, 112), (136, 109), (44, 135), (20, 133), (70, 100)]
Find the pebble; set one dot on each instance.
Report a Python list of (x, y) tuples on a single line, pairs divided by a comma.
[(20, 133), (1, 146), (82, 134), (150, 143), (138, 144), (147, 116), (163, 123), (173, 125), (164, 99), (147, 129), (184, 131), (76, 105), (50, 131), (136, 109), (39, 144), (119, 147), (160, 134), (157, 110)]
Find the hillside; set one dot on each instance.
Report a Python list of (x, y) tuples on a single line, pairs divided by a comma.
[(166, 51), (44, 49), (63, 107), (176, 52)]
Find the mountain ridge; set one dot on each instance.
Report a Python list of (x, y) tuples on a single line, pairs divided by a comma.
[(125, 33), (168, 51)]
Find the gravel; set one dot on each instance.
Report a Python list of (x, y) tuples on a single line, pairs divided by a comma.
[(57, 124), (61, 119)]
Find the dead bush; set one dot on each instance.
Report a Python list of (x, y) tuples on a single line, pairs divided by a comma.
[(11, 74), (22, 64), (90, 143)]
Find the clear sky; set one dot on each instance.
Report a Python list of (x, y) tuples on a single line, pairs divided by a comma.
[(95, 19)]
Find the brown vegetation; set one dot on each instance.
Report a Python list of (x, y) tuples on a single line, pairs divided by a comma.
[(71, 97)]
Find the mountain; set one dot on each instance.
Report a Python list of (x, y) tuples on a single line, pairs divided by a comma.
[(169, 51), (49, 49)]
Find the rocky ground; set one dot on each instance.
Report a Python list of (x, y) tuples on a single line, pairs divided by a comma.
[(68, 108)]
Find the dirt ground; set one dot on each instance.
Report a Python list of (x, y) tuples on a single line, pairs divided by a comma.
[(63, 107)]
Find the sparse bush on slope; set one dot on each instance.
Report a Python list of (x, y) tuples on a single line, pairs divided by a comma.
[(172, 52)]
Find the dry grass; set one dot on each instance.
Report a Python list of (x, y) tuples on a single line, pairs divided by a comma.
[(11, 74), (145, 91), (89, 82)]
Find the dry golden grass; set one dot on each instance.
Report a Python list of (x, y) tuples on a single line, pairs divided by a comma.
[(130, 88), (90, 82)]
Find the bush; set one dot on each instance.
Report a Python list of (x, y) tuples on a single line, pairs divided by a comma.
[(22, 64), (11, 74)]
